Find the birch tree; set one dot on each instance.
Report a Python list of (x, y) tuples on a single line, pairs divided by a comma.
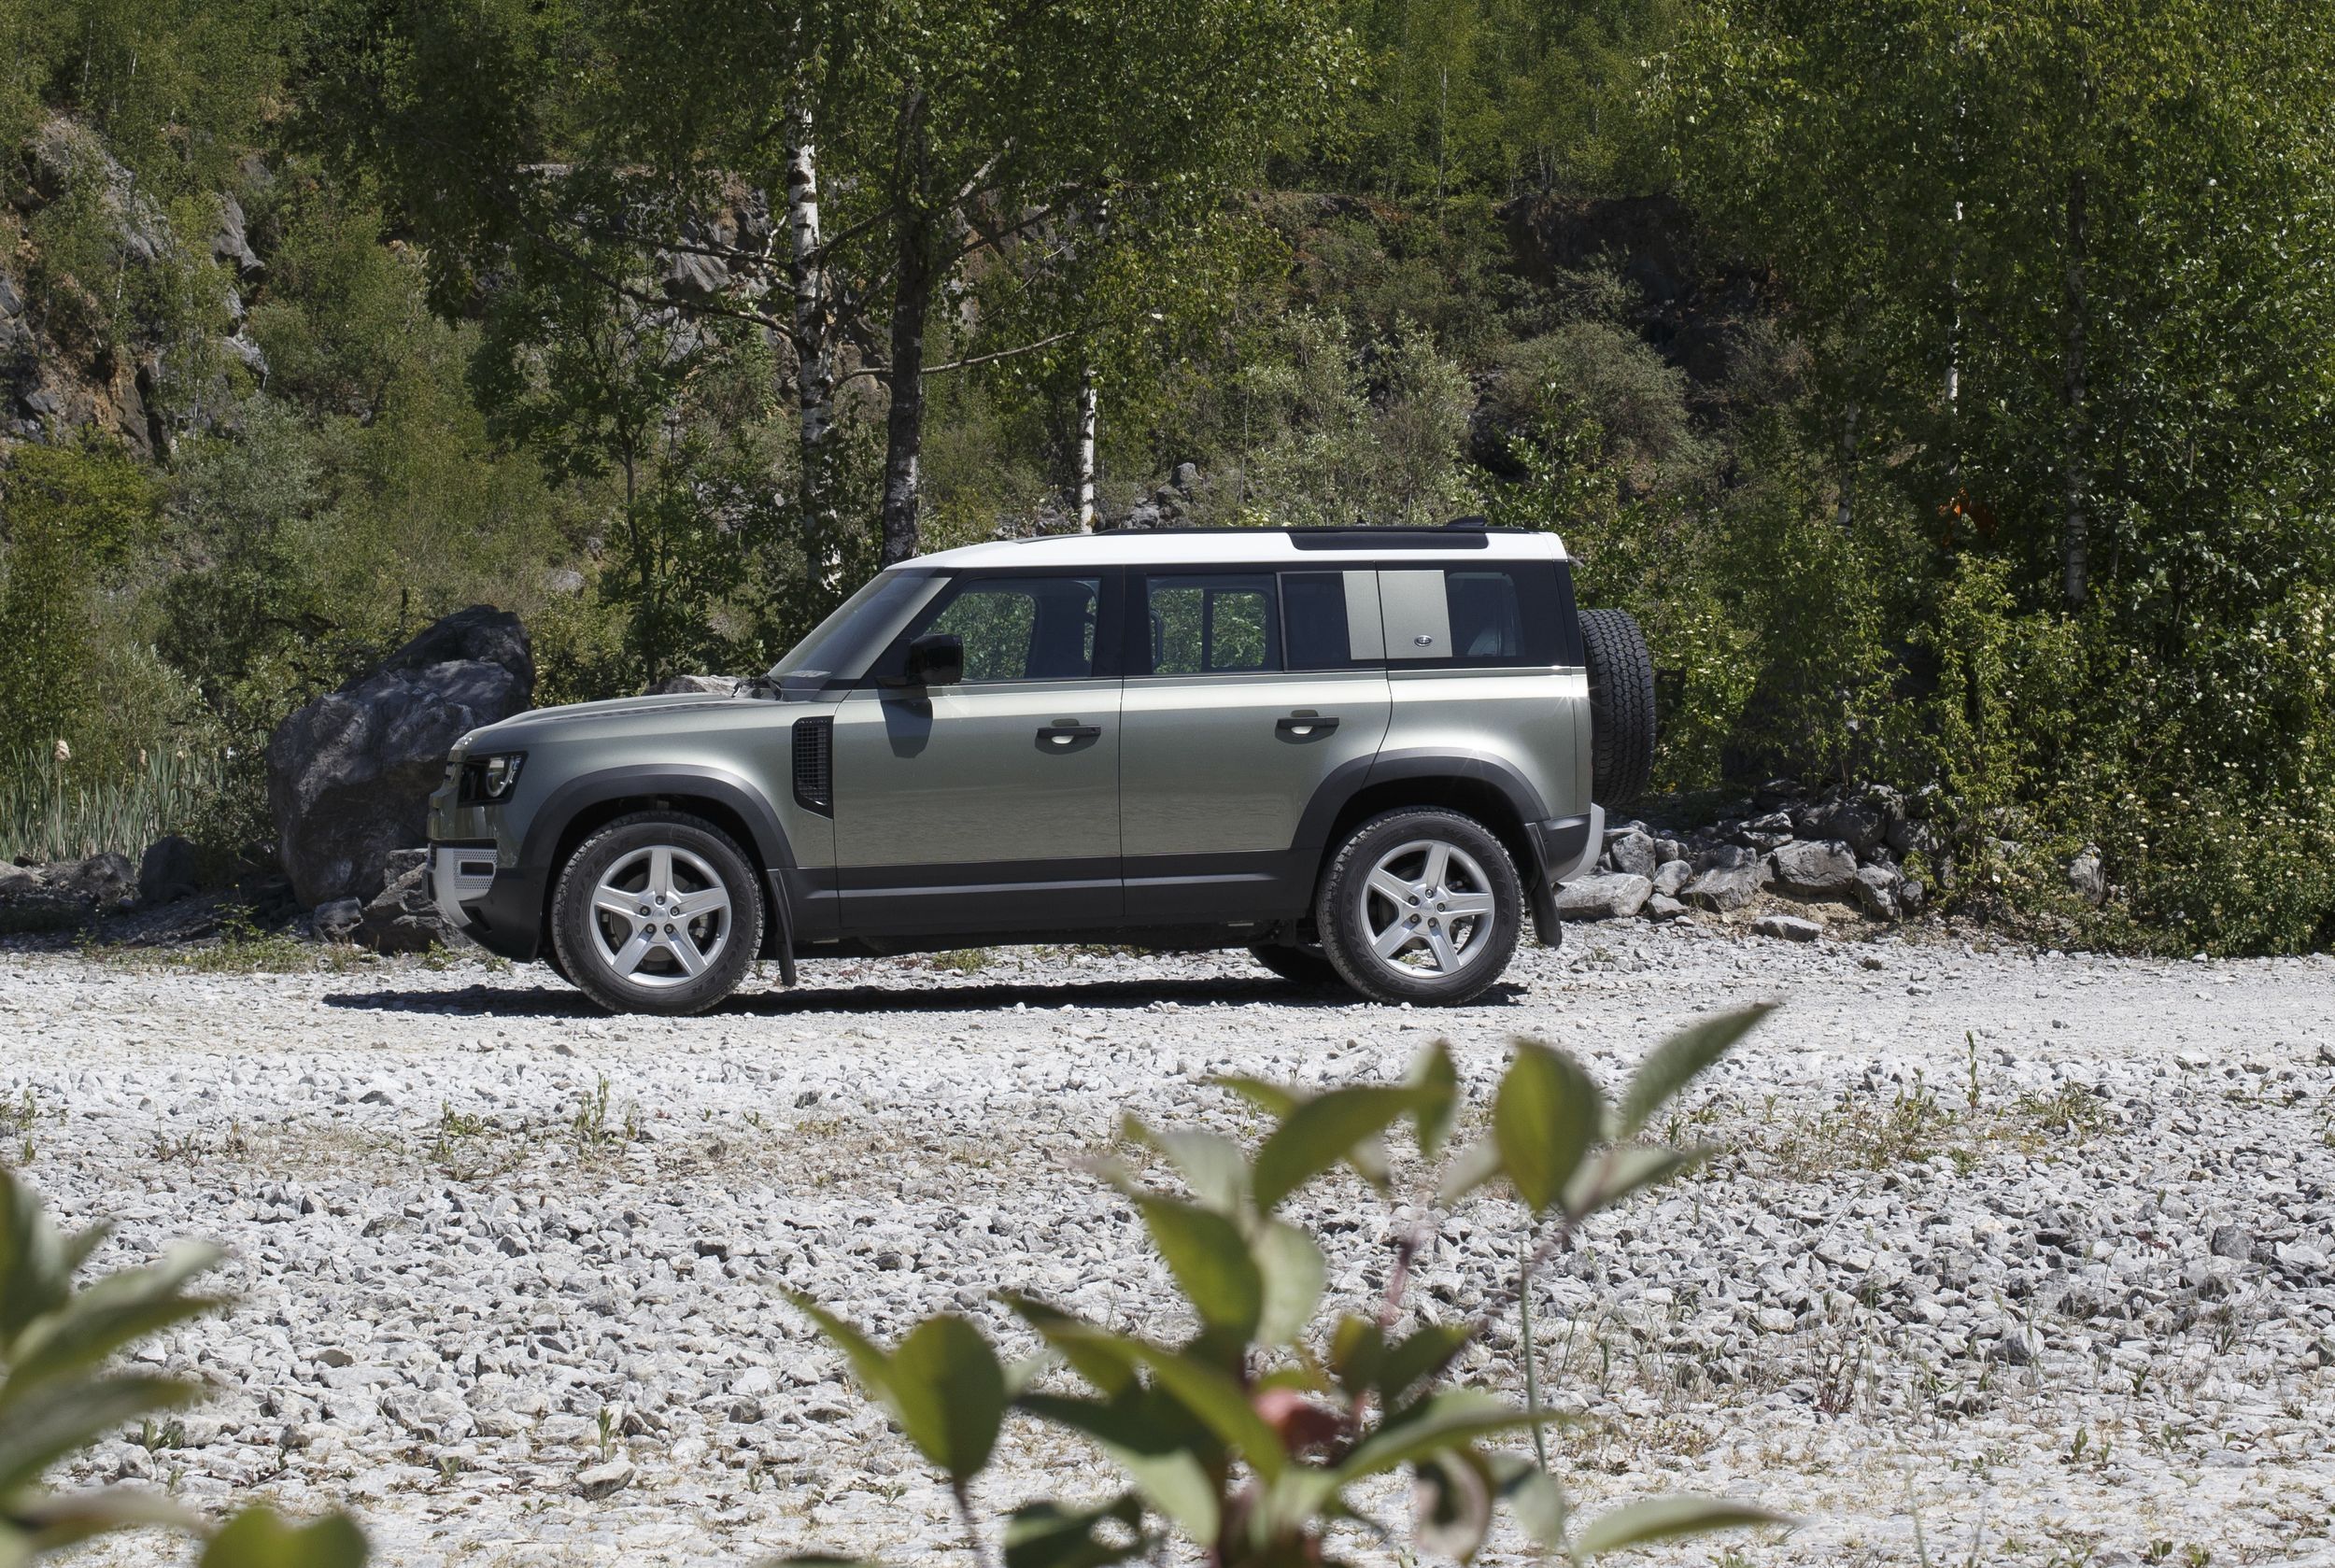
[(906, 140)]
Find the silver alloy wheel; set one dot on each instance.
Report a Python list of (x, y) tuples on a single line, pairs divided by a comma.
[(1427, 909), (661, 916)]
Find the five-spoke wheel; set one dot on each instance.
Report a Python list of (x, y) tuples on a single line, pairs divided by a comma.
[(1421, 905), (658, 913)]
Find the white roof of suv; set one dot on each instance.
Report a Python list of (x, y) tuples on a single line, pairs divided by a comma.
[(1242, 546)]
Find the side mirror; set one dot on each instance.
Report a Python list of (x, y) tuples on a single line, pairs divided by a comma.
[(935, 659)]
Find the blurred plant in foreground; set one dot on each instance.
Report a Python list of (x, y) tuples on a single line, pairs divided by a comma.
[(1248, 1437)]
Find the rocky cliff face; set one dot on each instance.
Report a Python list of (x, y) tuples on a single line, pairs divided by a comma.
[(116, 331)]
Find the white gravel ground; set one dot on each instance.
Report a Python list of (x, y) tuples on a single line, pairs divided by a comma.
[(2077, 1308)]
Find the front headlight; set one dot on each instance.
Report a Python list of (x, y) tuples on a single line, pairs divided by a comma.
[(489, 779)]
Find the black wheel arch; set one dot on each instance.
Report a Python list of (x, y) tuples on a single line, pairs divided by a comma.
[(1489, 788), (575, 809)]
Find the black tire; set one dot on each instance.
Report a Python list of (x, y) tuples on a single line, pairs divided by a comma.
[(591, 944), (1620, 706), (1299, 964), (551, 962), (1347, 908)]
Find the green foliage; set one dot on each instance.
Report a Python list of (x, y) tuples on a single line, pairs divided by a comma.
[(73, 515), (59, 1394), (2081, 320), (1248, 1436), (1325, 438)]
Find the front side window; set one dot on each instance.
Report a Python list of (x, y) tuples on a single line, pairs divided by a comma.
[(1019, 629), (841, 647), (1213, 625)]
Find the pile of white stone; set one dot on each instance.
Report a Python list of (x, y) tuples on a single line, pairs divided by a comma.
[(1838, 845)]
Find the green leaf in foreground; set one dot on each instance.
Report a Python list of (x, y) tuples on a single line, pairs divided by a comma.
[(1668, 1518), (1675, 1063), (1548, 1115), (948, 1393), (255, 1538)]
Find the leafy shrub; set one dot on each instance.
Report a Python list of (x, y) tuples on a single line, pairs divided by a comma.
[(57, 1396), (1248, 1436)]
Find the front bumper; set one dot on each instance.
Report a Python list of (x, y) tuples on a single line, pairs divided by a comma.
[(459, 874), (496, 907)]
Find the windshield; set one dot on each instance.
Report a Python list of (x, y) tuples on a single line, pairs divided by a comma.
[(840, 646)]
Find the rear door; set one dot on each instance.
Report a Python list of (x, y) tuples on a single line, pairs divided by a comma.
[(1483, 662), (1245, 690), (991, 805)]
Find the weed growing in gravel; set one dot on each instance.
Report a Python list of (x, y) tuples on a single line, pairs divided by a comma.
[(1246, 1438), (470, 1147), (1875, 1128), (963, 961), (17, 1118), (243, 947)]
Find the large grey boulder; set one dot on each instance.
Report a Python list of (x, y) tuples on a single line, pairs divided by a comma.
[(1670, 876), (1791, 928), (1877, 890), (349, 775), (1611, 896), (2086, 878), (1862, 822), (1816, 867), (1632, 852)]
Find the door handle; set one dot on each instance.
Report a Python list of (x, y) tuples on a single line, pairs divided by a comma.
[(1065, 734), (1304, 725)]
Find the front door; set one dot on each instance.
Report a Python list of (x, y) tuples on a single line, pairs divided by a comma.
[(1254, 688), (990, 806)]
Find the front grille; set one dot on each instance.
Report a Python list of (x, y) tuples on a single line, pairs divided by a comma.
[(815, 765)]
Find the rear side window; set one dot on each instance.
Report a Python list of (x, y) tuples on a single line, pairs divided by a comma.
[(1213, 625), (1483, 616), (1332, 620)]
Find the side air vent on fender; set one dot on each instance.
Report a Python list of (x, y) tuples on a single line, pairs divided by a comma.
[(815, 765)]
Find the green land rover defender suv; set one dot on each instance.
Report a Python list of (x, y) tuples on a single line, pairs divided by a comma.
[(1363, 754)]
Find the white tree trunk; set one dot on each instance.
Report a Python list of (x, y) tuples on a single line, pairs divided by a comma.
[(814, 353), (1088, 514), (2075, 471)]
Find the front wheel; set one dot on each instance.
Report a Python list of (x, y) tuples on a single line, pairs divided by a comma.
[(1421, 905), (660, 912)]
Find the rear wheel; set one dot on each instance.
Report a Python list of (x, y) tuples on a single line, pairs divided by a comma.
[(1299, 963), (1421, 905), (658, 913)]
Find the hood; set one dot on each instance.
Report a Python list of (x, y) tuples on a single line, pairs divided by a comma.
[(544, 723)]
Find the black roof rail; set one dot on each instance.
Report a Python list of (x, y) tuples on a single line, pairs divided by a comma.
[(1429, 531)]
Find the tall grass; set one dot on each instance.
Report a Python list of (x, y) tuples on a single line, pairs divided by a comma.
[(59, 809)]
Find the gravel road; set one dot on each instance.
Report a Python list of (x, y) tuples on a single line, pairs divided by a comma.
[(2016, 1257)]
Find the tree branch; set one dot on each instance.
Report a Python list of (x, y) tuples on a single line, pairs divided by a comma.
[(884, 372)]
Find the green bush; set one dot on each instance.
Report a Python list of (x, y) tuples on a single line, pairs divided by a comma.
[(1248, 1436)]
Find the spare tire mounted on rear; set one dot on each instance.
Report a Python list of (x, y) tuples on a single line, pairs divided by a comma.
[(1620, 706)]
